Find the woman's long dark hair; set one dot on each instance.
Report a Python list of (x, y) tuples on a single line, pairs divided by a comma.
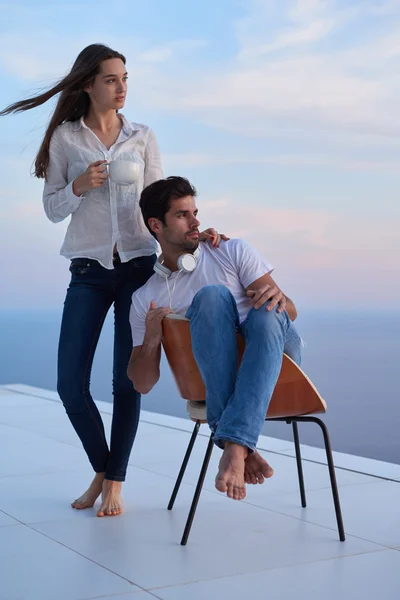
[(73, 102)]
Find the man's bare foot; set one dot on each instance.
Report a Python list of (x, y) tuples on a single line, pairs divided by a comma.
[(111, 501), (256, 469), (92, 493), (230, 477)]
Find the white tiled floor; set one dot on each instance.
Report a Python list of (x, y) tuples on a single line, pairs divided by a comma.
[(266, 546)]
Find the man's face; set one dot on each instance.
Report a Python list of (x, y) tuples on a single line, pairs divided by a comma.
[(181, 229)]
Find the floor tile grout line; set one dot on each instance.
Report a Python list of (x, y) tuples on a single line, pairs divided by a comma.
[(385, 546), (288, 566), (395, 480), (83, 556), (41, 435), (117, 595), (382, 548), (281, 453), (218, 494), (148, 590)]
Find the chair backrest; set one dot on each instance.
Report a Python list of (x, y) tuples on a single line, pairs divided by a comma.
[(294, 393)]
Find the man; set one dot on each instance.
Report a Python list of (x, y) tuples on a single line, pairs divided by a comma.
[(221, 291)]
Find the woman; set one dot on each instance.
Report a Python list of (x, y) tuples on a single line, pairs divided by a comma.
[(111, 252)]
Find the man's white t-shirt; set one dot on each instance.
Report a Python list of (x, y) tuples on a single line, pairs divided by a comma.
[(235, 264)]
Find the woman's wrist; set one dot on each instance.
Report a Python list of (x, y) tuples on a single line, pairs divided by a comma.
[(75, 189)]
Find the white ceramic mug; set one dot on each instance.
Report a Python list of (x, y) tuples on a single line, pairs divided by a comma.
[(123, 172)]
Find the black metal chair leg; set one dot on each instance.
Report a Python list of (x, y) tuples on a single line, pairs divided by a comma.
[(197, 493), (184, 465), (331, 467), (332, 476), (299, 465)]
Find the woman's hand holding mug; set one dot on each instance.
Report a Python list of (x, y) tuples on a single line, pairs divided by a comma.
[(94, 177), (121, 172)]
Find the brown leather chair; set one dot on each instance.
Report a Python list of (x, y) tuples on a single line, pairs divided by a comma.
[(294, 399)]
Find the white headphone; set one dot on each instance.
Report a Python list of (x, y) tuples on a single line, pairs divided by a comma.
[(186, 263)]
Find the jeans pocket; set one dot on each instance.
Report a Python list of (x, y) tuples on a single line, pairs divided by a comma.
[(79, 266)]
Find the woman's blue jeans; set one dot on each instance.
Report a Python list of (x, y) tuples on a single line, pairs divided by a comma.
[(237, 398), (92, 291)]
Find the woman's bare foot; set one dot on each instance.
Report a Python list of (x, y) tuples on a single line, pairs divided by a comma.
[(92, 493), (111, 501), (256, 469), (230, 477)]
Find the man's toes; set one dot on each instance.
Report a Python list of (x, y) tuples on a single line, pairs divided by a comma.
[(260, 478), (230, 490), (221, 486), (100, 513), (239, 493)]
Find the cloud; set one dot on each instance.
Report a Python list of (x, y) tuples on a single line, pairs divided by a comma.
[(340, 242), (334, 162), (166, 52), (280, 86), (321, 257)]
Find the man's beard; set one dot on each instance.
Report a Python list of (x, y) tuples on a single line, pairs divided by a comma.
[(190, 245)]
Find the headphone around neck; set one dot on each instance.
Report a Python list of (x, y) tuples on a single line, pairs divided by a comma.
[(186, 263)]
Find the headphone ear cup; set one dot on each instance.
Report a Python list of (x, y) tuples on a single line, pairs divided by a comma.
[(187, 263)]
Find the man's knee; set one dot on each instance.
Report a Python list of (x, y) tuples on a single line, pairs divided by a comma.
[(263, 320), (210, 294)]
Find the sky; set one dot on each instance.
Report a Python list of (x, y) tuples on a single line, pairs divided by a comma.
[(282, 113)]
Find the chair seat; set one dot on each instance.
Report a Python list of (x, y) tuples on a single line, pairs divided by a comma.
[(196, 410), (294, 393)]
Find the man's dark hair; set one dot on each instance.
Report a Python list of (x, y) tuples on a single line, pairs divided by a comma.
[(155, 200)]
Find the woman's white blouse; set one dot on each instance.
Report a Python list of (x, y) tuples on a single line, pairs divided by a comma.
[(103, 216)]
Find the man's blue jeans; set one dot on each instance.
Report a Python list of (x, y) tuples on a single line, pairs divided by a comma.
[(92, 291), (237, 398)]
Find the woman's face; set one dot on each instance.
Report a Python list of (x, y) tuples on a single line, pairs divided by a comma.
[(109, 88)]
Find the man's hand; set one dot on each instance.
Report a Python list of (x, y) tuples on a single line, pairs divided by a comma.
[(153, 335), (214, 237), (268, 292)]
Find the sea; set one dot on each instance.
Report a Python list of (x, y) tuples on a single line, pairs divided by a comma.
[(353, 358)]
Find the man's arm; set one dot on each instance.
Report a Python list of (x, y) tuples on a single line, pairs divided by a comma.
[(264, 288), (144, 364), (144, 367)]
